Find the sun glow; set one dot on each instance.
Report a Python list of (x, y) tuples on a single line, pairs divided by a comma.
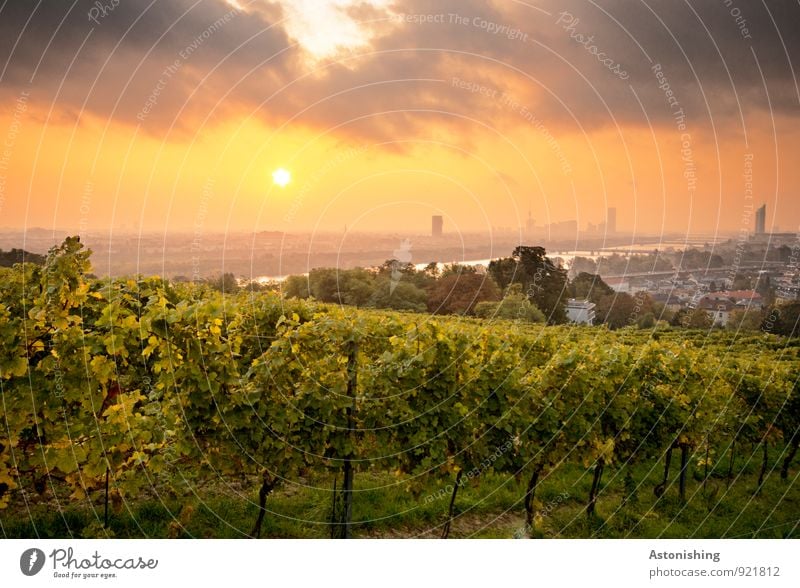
[(281, 177)]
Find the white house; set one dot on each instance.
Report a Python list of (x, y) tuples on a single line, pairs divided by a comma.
[(580, 311), (718, 310)]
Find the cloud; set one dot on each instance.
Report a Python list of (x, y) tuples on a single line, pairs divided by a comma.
[(112, 65), (724, 64)]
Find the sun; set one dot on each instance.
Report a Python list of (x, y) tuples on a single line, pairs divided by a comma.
[(281, 177)]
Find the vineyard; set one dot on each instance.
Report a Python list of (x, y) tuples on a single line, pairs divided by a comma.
[(118, 392)]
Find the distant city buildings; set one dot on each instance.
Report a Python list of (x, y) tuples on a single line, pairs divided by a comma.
[(761, 220), (607, 228), (564, 229), (568, 229), (580, 311), (611, 221), (437, 223)]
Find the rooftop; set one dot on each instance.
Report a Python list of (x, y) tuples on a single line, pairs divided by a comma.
[(582, 304)]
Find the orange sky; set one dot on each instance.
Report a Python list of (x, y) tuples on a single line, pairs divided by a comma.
[(379, 134)]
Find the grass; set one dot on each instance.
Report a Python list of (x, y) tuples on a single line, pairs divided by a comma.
[(490, 507)]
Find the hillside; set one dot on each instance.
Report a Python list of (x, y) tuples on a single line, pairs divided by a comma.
[(143, 408)]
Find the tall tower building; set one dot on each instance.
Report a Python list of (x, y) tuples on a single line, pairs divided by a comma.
[(436, 226), (761, 219), (611, 220)]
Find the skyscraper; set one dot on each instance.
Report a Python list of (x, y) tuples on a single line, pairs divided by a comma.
[(761, 219), (529, 224), (436, 226), (611, 220)]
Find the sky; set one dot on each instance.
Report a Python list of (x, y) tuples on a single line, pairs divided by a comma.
[(684, 115)]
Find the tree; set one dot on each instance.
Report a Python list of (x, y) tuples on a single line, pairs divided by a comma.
[(694, 319), (394, 267), (356, 286), (580, 265), (695, 258), (644, 304), (458, 293), (547, 284), (625, 264), (661, 312), (741, 282), (514, 306), (505, 271), (763, 285), (588, 286), (648, 321), (783, 320), (458, 269), (432, 270), (269, 286), (544, 283), (225, 283), (745, 320), (616, 309), (9, 258), (398, 270), (323, 283), (401, 295), (296, 287)]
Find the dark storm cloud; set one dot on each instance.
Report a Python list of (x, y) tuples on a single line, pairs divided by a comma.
[(126, 48), (712, 53), (713, 67)]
